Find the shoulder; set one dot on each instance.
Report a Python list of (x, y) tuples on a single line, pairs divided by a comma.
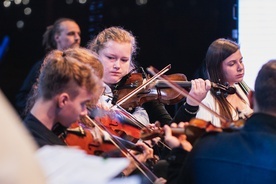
[(30, 121), (216, 141)]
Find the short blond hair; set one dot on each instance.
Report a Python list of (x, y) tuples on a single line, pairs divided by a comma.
[(64, 71)]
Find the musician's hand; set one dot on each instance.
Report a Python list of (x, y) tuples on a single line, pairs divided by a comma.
[(142, 157), (198, 91), (160, 181), (211, 127), (104, 102), (147, 152), (181, 140)]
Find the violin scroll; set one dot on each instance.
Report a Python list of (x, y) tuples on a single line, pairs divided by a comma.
[(226, 89)]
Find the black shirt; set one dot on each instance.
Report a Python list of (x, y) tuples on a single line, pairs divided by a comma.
[(42, 135)]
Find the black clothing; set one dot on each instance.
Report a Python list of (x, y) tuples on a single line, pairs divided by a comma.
[(42, 135), (175, 159), (185, 113), (157, 112), (24, 92), (245, 156)]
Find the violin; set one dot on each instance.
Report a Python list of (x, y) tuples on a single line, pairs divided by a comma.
[(246, 89), (84, 137), (164, 95), (195, 129), (144, 170), (157, 90), (80, 136), (118, 122), (225, 123)]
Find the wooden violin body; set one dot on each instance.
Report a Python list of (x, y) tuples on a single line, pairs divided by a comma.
[(85, 139), (163, 94)]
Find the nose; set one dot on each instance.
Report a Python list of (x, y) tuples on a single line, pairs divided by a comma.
[(77, 37), (116, 64), (240, 67), (84, 112)]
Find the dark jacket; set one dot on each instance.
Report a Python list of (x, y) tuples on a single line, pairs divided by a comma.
[(245, 156), (25, 90)]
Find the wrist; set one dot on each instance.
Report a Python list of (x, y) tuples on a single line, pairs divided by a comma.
[(190, 109)]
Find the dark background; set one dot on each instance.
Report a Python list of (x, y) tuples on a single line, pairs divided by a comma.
[(176, 32)]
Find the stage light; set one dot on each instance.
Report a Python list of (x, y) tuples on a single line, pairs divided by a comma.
[(25, 2), (17, 1), (69, 1), (82, 1), (27, 11), (20, 24), (141, 2), (7, 3)]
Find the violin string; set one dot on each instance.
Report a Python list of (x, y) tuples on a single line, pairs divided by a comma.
[(225, 121), (141, 125)]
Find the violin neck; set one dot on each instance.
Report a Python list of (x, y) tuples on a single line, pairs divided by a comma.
[(163, 84), (244, 87)]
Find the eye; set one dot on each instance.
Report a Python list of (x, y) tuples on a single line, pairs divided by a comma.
[(125, 60), (110, 57), (71, 33), (231, 63)]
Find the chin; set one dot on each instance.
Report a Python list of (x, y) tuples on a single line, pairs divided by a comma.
[(115, 80), (239, 80), (112, 81)]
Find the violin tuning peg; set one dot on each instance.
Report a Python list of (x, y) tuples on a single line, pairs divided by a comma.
[(225, 95), (226, 84), (218, 92)]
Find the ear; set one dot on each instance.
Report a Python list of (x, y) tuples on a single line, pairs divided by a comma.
[(63, 100), (56, 37), (251, 98)]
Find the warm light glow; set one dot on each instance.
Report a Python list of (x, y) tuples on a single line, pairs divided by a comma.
[(257, 36)]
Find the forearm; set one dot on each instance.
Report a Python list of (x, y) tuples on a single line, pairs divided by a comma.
[(185, 113), (157, 112)]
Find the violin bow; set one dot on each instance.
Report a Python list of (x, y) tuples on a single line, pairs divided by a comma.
[(225, 122), (138, 123), (139, 88), (147, 173)]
